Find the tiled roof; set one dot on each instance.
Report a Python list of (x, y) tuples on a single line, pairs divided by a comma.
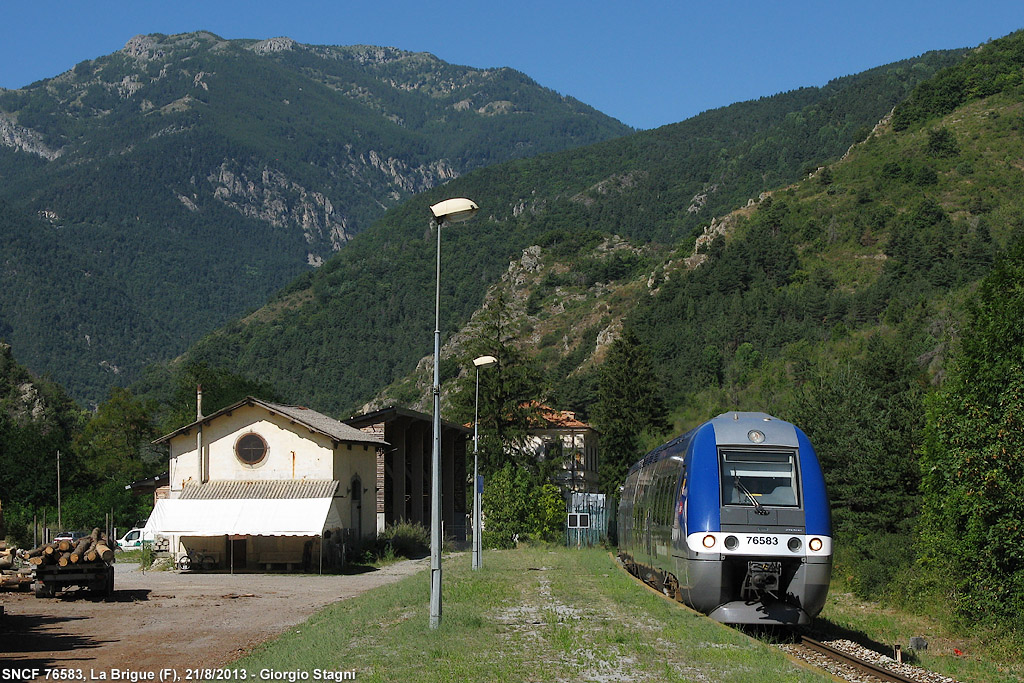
[(565, 419), (384, 415), (320, 422), (312, 420), (268, 490)]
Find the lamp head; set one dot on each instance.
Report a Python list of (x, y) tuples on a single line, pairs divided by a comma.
[(485, 361), (454, 210)]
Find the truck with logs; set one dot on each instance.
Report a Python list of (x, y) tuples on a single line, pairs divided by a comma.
[(85, 563)]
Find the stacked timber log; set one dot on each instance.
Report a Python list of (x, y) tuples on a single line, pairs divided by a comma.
[(7, 556), (11, 575), (89, 549)]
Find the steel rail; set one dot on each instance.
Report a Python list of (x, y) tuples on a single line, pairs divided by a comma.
[(856, 662)]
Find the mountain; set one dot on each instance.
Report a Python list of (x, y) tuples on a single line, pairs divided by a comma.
[(148, 196), (333, 338), (871, 260), (37, 419)]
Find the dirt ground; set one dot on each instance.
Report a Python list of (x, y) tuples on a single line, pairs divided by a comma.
[(158, 620)]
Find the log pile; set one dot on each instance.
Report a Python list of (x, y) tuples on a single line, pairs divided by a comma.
[(12, 576), (90, 549)]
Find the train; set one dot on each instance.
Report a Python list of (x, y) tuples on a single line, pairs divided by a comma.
[(732, 519)]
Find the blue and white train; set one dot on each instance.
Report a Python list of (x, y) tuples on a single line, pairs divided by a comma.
[(732, 518)]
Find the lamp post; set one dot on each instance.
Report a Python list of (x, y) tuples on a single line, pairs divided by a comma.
[(443, 213), (481, 362)]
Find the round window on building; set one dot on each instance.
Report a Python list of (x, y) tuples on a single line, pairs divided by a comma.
[(251, 449)]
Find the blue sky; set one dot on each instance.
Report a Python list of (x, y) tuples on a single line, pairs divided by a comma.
[(645, 63)]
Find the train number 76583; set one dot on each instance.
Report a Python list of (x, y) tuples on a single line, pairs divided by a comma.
[(763, 540)]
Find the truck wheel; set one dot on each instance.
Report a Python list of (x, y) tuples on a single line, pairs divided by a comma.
[(43, 590), (185, 563), (103, 586)]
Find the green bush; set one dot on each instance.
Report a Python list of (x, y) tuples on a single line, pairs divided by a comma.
[(18, 525), (498, 540), (521, 506), (406, 539), (146, 556), (971, 457), (873, 563)]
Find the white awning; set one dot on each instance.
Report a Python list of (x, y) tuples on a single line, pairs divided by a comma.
[(242, 516)]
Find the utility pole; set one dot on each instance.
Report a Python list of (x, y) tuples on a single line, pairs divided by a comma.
[(60, 526)]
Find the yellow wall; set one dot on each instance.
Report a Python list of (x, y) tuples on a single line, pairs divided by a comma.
[(293, 453)]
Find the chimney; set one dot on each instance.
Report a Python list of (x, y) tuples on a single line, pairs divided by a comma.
[(199, 434)]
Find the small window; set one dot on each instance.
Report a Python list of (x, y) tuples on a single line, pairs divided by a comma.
[(251, 449), (579, 520)]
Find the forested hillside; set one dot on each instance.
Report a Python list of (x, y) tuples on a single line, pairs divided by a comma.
[(148, 196), (36, 420), (335, 337)]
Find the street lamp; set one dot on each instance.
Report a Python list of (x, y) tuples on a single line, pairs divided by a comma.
[(481, 362), (443, 213)]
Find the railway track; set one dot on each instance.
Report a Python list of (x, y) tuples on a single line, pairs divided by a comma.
[(841, 663), (844, 664)]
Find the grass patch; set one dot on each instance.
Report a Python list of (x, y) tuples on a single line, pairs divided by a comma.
[(533, 614), (133, 556), (145, 558)]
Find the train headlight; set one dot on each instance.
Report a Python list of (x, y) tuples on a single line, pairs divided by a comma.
[(709, 541), (731, 542), (815, 544), (794, 544)]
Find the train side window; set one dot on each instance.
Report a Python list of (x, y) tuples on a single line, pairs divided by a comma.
[(664, 486), (664, 505), (656, 501), (682, 495)]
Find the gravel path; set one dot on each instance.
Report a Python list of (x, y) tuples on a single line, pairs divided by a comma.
[(159, 620)]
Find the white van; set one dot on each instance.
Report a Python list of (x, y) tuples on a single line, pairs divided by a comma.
[(135, 538)]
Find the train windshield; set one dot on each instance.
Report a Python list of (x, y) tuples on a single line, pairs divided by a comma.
[(759, 478)]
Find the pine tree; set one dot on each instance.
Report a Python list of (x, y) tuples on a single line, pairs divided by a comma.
[(629, 403), (114, 444), (509, 391)]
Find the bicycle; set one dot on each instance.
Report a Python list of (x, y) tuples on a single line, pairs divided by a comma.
[(193, 559)]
